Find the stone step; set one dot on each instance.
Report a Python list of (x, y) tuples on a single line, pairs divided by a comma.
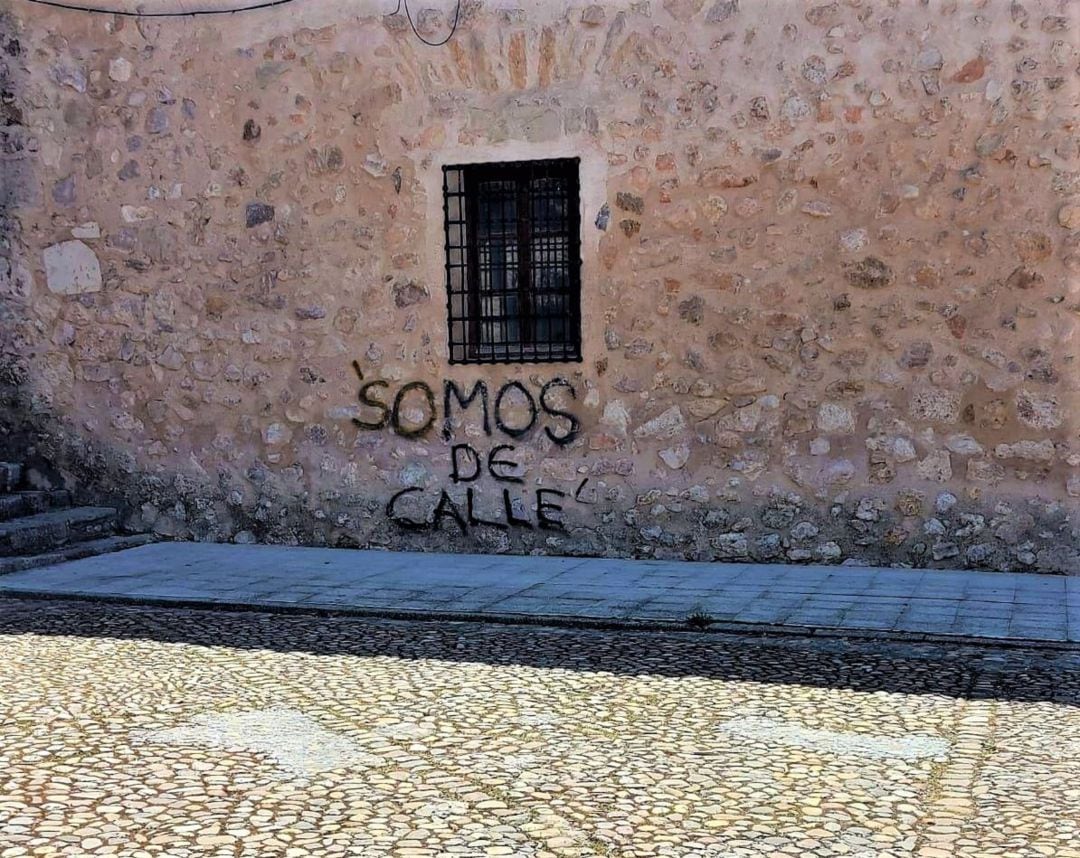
[(18, 504), (10, 476), (76, 551), (48, 531)]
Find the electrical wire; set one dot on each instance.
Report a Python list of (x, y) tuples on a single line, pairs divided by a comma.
[(126, 13), (416, 32)]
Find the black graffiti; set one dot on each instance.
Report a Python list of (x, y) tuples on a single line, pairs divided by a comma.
[(475, 520), (389, 411), (395, 414), (502, 463), (391, 414), (397, 518), (544, 507), (467, 464), (515, 431), (511, 518), (575, 424), (450, 388), (579, 490), (365, 398), (471, 458), (446, 508), (448, 511), (465, 455)]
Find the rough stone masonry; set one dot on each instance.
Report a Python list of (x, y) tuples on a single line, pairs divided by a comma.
[(830, 273)]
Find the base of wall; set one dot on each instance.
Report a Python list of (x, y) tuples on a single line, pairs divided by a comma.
[(934, 529)]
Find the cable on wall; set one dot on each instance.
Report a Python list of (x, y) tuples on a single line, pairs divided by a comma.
[(127, 13), (416, 32)]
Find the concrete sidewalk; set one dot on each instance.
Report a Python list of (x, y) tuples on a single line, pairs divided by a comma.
[(907, 603)]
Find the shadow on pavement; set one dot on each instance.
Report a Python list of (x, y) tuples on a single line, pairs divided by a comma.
[(955, 671)]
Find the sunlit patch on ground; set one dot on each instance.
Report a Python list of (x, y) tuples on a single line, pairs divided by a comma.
[(295, 742), (778, 733)]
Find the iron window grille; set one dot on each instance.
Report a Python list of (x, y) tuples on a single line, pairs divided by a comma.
[(513, 261)]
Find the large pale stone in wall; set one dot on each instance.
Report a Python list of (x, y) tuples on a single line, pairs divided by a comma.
[(120, 69), (1069, 216), (616, 416), (932, 404), (534, 125), (721, 11), (19, 185), (1029, 451), (665, 425), (72, 268), (963, 445), (1038, 410), (834, 417), (676, 457), (937, 466)]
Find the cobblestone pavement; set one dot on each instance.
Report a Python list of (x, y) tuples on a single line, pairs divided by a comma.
[(153, 732)]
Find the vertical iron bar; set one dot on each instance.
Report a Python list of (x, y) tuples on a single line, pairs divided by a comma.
[(523, 185), (449, 276), (472, 267), (573, 255)]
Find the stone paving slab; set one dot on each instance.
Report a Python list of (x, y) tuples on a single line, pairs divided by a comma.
[(985, 605)]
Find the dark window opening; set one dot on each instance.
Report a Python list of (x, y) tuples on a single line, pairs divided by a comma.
[(513, 261)]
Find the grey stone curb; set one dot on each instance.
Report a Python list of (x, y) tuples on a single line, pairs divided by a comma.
[(549, 620)]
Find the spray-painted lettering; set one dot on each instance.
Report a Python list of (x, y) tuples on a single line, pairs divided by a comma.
[(383, 410), (411, 411), (463, 513)]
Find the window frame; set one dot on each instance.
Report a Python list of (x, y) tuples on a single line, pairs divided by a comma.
[(462, 233)]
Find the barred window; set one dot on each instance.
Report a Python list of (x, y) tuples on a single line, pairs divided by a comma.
[(513, 261)]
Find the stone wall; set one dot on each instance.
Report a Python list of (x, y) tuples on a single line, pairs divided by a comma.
[(830, 276)]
